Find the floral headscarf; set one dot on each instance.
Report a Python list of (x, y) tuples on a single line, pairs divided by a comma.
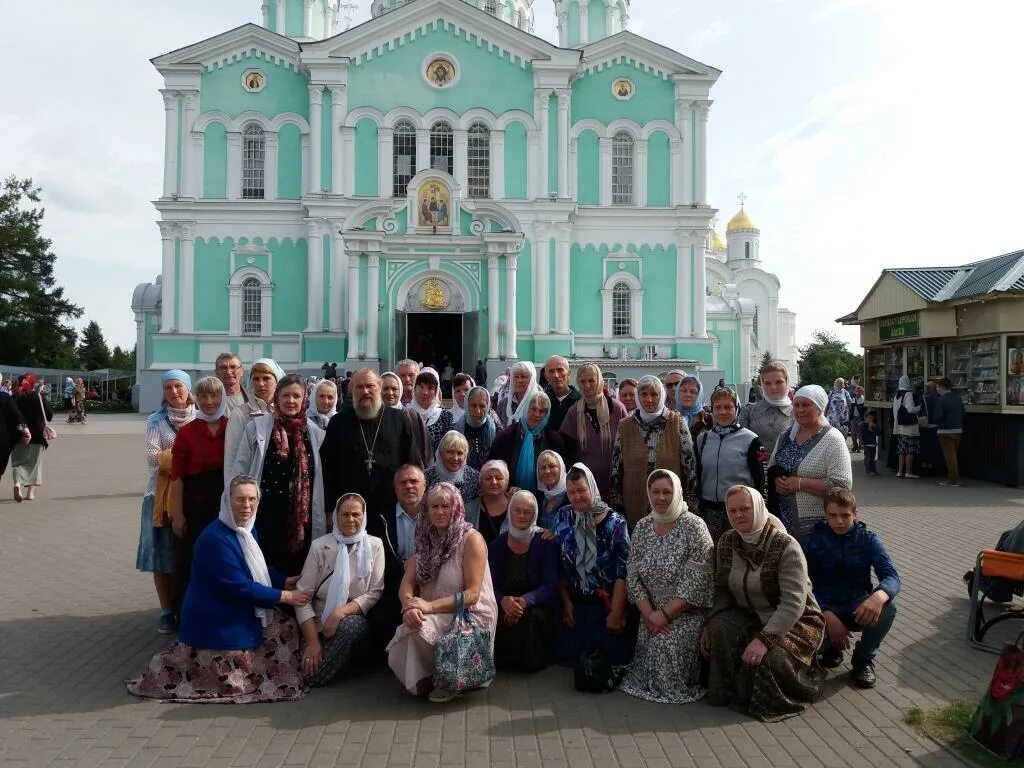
[(288, 434), (434, 549)]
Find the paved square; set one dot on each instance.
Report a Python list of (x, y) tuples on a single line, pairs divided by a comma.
[(76, 619)]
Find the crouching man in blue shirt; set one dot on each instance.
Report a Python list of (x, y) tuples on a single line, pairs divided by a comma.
[(841, 552)]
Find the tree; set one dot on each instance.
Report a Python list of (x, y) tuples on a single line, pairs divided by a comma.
[(121, 360), (34, 314), (766, 359), (826, 359), (93, 352)]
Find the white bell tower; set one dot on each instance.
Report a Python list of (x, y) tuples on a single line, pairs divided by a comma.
[(743, 238), (307, 19)]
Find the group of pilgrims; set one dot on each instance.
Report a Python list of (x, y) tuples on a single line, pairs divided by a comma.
[(296, 536)]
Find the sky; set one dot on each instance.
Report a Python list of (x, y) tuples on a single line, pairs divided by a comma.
[(865, 133)]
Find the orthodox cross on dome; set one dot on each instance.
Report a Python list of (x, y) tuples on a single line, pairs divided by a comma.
[(742, 197)]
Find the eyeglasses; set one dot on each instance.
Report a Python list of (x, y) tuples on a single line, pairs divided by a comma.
[(229, 367)]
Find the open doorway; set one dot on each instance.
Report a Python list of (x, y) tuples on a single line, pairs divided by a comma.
[(434, 338)]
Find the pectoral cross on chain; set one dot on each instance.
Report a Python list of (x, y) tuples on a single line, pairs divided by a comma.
[(369, 464)]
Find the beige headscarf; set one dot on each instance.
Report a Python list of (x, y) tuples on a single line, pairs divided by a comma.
[(601, 406), (762, 516), (678, 507)]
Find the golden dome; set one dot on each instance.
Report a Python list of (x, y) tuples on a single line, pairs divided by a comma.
[(717, 241), (740, 221)]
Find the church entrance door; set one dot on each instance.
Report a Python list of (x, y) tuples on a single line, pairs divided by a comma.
[(434, 338)]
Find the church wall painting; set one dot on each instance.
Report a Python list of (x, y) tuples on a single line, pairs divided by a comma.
[(285, 91), (433, 205), (592, 96)]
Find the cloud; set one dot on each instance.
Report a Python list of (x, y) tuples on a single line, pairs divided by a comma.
[(707, 36)]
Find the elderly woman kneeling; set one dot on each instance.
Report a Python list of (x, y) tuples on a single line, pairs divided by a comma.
[(765, 626), (234, 646), (449, 557), (344, 571)]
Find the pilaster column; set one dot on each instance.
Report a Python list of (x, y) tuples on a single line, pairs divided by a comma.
[(511, 333), (385, 152), (422, 149), (270, 165), (609, 19), (339, 108), (314, 278), (584, 22), (562, 282), (461, 147), (563, 29), (167, 287), (316, 100), (493, 312), (265, 8), (683, 114), (329, 20), (372, 310), (497, 165), (540, 252), (191, 164), (170, 142), (700, 285), (564, 102), (307, 19), (605, 154), (336, 320), (684, 301), (353, 305), (703, 110), (640, 173), (235, 166), (186, 291), (280, 17), (543, 106)]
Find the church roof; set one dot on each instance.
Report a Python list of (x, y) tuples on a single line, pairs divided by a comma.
[(740, 221)]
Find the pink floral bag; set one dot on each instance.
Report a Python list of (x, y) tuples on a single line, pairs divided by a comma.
[(49, 433), (998, 725)]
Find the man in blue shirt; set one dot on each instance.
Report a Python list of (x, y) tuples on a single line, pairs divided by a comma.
[(949, 417), (841, 553)]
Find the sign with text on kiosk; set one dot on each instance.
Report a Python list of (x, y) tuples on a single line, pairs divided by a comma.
[(905, 326)]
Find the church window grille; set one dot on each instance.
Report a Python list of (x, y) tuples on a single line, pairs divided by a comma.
[(491, 7), (622, 314), (252, 307), (404, 146), (755, 322), (442, 147), (479, 159), (622, 169), (253, 158)]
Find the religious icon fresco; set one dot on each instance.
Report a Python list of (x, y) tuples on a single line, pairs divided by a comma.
[(434, 203)]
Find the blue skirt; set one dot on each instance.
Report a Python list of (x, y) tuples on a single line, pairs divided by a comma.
[(156, 545)]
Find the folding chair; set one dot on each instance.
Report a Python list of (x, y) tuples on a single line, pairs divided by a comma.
[(992, 563)]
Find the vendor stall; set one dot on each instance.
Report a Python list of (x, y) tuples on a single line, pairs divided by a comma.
[(965, 323)]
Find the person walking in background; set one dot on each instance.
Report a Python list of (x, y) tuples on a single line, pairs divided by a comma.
[(69, 393), (481, 374), (857, 409), (949, 417), (838, 413), (13, 429), (78, 399), (27, 458), (869, 442)]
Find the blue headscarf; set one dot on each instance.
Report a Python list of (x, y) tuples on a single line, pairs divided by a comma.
[(698, 404), (526, 467), (488, 422), (176, 374)]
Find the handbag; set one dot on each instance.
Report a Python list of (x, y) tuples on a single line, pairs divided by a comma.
[(462, 657), (998, 724), (49, 433), (904, 417), (594, 672)]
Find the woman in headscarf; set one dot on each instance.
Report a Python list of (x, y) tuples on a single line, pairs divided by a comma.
[(197, 477), (461, 385), (489, 512), (591, 425), (263, 379), (770, 416), (323, 403), (522, 384), (13, 429), (594, 545), (391, 391), (234, 646), (450, 557), (524, 569), (652, 438), (670, 577), (69, 393), (765, 626), (905, 428), (689, 398), (27, 458), (478, 425), (808, 460), (450, 467), (426, 401), (78, 402), (551, 495), (519, 445), (282, 451), (156, 539), (344, 571)]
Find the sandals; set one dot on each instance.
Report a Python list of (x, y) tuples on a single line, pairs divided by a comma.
[(17, 494)]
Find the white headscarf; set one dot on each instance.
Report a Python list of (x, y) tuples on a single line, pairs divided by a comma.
[(677, 507), (558, 489), (817, 395), (646, 382), (433, 413), (443, 473), (250, 549), (512, 416), (222, 409), (341, 579), (904, 383), (762, 516), (313, 413), (523, 536), (401, 388)]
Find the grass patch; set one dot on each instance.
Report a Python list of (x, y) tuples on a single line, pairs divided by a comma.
[(948, 725)]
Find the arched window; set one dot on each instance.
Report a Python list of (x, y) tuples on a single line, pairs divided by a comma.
[(622, 169), (622, 311), (491, 6), (756, 318), (746, 249), (252, 307), (253, 157), (479, 160), (442, 147), (403, 144)]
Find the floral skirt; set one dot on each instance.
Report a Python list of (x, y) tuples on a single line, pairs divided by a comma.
[(269, 673), (907, 444)]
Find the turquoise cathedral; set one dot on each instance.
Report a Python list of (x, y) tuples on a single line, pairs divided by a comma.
[(438, 181)]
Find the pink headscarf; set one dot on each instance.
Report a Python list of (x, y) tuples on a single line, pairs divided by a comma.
[(434, 549)]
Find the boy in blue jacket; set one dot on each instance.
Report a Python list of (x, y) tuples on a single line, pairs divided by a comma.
[(841, 553)]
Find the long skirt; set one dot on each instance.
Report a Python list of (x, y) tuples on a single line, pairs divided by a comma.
[(341, 650), (27, 463), (200, 503), (156, 545), (591, 629), (529, 644), (667, 668), (268, 673), (779, 687)]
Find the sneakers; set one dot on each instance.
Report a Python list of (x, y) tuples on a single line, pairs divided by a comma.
[(441, 695), (950, 483), (863, 675), (900, 474), (911, 476), (168, 624), (830, 658)]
